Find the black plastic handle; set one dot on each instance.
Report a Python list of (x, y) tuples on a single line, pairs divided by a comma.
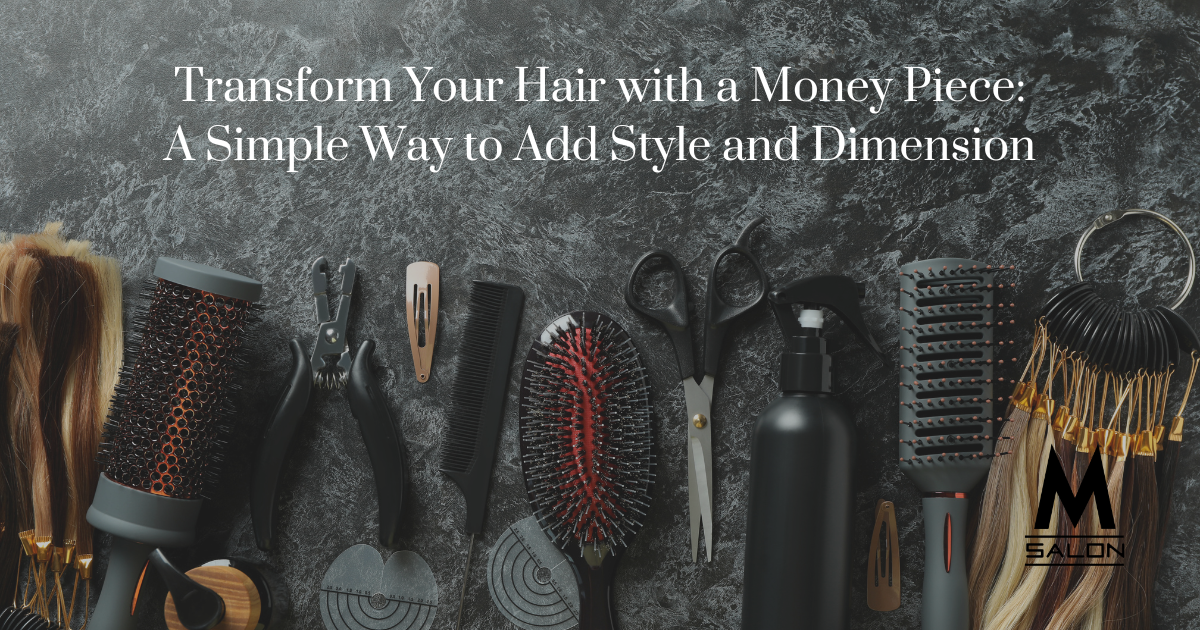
[(383, 443), (596, 609), (268, 469), (197, 606), (1184, 332), (673, 317), (717, 312)]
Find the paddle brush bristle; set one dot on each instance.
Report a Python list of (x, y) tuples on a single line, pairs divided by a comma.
[(166, 431), (585, 433)]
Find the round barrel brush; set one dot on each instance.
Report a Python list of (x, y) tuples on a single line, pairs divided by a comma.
[(586, 449), (164, 438)]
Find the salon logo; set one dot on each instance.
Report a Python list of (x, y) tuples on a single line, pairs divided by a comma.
[(1054, 549)]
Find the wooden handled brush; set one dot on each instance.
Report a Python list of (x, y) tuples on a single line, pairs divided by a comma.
[(586, 449)]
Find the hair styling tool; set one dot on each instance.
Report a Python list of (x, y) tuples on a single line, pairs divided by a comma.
[(165, 437), (532, 583), (227, 594), (801, 495), (331, 367), (362, 592), (477, 401), (586, 449), (66, 305), (947, 344), (883, 580), (423, 280), (698, 388)]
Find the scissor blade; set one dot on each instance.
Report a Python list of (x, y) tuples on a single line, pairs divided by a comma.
[(702, 473), (694, 513), (699, 449)]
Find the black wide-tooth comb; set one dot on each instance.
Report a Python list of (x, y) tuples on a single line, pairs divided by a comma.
[(477, 399)]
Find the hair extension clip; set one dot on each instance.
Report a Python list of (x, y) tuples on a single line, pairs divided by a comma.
[(422, 287), (83, 564), (883, 580)]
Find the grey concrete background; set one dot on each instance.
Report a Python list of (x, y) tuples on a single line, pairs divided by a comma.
[(89, 105)]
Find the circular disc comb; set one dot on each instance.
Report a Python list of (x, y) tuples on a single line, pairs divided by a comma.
[(531, 581), (362, 592)]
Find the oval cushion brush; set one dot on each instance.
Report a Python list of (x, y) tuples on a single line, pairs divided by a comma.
[(946, 418), (165, 436), (477, 400), (586, 449)]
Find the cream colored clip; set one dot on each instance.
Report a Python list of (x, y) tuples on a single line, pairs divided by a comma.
[(422, 289)]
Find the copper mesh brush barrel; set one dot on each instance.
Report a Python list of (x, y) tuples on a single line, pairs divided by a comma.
[(164, 438), (946, 420)]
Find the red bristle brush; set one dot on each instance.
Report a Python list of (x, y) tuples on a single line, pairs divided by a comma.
[(586, 449), (165, 435)]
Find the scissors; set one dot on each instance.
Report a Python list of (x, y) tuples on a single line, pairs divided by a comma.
[(698, 390)]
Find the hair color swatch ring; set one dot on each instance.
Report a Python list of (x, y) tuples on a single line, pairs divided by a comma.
[(1108, 218)]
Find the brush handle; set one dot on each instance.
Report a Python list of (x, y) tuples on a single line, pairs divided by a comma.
[(944, 593), (268, 470), (126, 559), (596, 610), (383, 443)]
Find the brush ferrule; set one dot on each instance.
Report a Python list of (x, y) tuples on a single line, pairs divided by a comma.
[(148, 518)]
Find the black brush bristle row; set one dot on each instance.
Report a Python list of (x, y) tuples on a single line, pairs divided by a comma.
[(948, 341), (477, 362), (171, 414), (477, 397), (585, 433)]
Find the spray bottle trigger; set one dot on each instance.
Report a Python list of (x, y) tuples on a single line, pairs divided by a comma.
[(839, 294)]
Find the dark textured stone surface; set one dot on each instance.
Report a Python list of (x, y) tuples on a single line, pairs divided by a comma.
[(89, 107)]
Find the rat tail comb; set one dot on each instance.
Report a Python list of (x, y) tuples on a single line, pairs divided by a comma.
[(586, 449), (948, 346)]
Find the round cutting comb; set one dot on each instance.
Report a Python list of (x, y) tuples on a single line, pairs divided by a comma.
[(531, 581), (362, 592)]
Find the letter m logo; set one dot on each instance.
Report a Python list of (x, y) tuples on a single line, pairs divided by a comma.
[(1056, 483)]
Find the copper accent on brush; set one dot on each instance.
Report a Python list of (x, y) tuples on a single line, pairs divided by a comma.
[(166, 434)]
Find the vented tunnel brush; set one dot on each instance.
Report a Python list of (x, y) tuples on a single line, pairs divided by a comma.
[(586, 449), (165, 435), (947, 345)]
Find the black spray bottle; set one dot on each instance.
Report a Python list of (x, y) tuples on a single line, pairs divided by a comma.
[(801, 469)]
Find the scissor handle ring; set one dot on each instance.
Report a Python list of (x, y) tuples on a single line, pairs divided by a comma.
[(721, 311), (673, 314), (1108, 218)]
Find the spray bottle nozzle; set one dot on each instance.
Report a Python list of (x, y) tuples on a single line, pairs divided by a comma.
[(805, 364), (836, 293)]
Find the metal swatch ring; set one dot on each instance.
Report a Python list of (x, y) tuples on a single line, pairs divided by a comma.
[(1108, 218)]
